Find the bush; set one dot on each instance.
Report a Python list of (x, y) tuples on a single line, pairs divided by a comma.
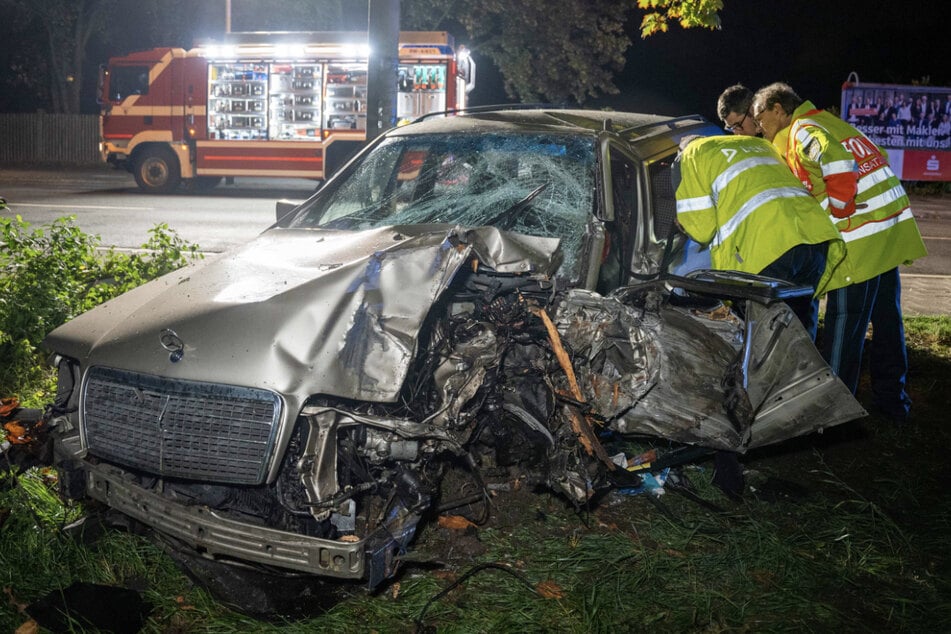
[(49, 275)]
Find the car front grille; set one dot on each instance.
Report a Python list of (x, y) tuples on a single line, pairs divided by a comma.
[(180, 429)]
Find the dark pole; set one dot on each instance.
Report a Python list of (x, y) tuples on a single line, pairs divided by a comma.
[(384, 38)]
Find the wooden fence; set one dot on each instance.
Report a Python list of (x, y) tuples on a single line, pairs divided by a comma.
[(49, 139)]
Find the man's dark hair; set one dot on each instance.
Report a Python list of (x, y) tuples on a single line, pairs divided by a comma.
[(737, 98), (780, 93)]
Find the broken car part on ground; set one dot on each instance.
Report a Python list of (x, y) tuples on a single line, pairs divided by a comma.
[(482, 296)]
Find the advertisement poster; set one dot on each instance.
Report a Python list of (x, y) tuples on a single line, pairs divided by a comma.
[(912, 123)]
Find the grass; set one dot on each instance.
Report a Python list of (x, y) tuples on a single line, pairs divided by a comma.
[(845, 531)]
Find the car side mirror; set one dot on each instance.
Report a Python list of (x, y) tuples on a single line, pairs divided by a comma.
[(283, 209)]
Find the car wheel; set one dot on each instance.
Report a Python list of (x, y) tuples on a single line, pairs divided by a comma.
[(157, 171)]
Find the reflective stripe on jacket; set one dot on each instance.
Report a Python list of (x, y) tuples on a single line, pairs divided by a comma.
[(737, 196), (881, 233)]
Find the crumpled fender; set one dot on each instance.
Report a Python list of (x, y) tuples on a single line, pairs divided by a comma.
[(692, 377)]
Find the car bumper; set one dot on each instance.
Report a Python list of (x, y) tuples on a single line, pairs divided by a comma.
[(220, 537)]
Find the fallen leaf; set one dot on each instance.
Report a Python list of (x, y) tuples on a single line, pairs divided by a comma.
[(17, 434), (8, 405), (549, 590), (20, 607), (395, 589), (30, 627), (455, 522), (180, 600)]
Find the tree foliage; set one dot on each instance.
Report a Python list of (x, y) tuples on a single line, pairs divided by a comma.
[(67, 26), (558, 51), (561, 50), (18, 80), (688, 13), (287, 15)]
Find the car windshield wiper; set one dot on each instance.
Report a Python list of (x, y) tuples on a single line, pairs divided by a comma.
[(519, 206)]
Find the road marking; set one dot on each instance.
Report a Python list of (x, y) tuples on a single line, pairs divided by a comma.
[(13, 206), (935, 238), (938, 276)]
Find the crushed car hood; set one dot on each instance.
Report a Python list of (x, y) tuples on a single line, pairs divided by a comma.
[(299, 312)]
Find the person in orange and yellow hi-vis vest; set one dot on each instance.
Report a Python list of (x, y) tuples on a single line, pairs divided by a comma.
[(850, 176)]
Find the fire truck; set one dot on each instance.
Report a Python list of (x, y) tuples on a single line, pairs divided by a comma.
[(289, 105)]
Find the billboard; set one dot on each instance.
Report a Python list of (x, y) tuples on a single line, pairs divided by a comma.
[(912, 123)]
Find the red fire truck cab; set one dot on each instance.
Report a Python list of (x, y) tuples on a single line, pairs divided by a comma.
[(293, 106)]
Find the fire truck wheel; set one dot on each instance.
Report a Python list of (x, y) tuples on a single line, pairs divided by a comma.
[(157, 171)]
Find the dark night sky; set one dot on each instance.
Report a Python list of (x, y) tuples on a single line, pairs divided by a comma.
[(811, 44)]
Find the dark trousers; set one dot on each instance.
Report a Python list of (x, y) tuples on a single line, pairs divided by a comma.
[(802, 264), (848, 313)]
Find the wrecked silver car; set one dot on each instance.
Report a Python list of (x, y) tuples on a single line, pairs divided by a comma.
[(479, 294)]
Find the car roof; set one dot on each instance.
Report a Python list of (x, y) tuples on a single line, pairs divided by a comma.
[(645, 132)]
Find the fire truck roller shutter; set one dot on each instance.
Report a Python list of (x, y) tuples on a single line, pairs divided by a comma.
[(156, 168)]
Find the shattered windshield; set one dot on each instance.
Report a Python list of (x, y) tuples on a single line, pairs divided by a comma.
[(535, 184)]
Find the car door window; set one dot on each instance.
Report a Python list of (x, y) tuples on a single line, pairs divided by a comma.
[(663, 201), (620, 232)]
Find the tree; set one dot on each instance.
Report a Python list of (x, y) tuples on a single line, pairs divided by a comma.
[(287, 15), (67, 26), (555, 50), (565, 50), (688, 13), (19, 80)]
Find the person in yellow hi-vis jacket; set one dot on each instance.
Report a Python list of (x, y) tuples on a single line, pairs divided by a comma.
[(738, 197), (850, 176)]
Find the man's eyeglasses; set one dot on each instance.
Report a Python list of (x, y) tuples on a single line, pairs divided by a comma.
[(733, 127)]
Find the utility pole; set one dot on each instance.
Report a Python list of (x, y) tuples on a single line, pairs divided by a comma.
[(384, 41)]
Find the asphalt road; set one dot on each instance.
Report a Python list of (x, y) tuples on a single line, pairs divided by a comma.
[(934, 220), (106, 202)]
